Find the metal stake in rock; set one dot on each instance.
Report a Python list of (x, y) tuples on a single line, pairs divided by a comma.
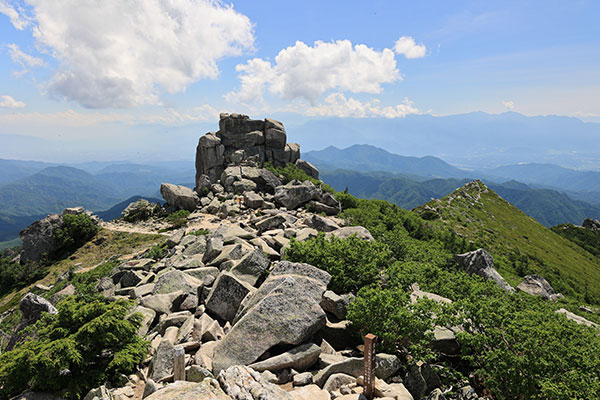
[(369, 368)]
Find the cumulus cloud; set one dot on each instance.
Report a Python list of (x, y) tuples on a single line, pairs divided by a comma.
[(8, 102), (336, 104), (18, 19), (407, 46), (508, 104), (24, 59), (307, 72), (124, 53)]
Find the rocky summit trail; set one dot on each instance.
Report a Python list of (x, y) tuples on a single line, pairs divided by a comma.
[(226, 314)]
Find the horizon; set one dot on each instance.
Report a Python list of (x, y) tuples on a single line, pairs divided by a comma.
[(148, 84)]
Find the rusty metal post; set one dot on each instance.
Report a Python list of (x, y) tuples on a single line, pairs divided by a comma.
[(179, 363), (369, 366)]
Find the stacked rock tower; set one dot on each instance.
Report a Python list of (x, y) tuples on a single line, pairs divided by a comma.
[(244, 141)]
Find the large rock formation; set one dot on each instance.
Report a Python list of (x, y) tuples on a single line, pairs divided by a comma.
[(480, 262), (38, 238), (242, 141)]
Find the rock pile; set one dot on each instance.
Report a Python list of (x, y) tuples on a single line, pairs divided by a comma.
[(241, 140)]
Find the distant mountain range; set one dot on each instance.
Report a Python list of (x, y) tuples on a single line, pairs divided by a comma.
[(474, 140), (101, 187), (551, 194), (368, 158)]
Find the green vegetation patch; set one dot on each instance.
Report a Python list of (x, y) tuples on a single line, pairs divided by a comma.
[(586, 238), (81, 347), (291, 172), (519, 245)]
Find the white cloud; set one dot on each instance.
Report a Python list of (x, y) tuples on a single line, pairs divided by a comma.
[(336, 104), (18, 19), (508, 104), (407, 46), (8, 102), (77, 119), (124, 53), (307, 72), (24, 59)]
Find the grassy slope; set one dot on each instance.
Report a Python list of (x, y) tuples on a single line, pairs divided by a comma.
[(106, 244), (519, 244), (584, 237)]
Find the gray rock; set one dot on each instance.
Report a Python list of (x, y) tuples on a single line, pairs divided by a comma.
[(347, 231), (175, 280), (214, 246), (307, 167), (253, 200), (284, 312), (303, 379), (578, 319), (535, 285), (179, 197), (251, 267), (161, 303), (148, 316), (209, 158), (139, 210), (275, 138), (196, 373), (480, 262), (337, 305), (131, 278), (421, 379), (208, 389), (99, 393), (267, 181), (321, 224), (161, 365), (175, 239), (206, 275), (444, 341), (386, 365), (244, 383), (270, 222), (295, 194), (243, 185), (176, 319), (299, 358), (38, 238), (335, 381), (318, 207), (32, 306), (226, 296)]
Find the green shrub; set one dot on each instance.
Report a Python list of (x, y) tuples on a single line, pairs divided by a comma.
[(15, 276), (352, 262), (156, 252), (81, 347), (177, 219), (399, 325), (200, 232), (291, 172), (75, 231)]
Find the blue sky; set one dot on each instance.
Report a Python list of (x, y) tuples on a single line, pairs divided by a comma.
[(67, 66)]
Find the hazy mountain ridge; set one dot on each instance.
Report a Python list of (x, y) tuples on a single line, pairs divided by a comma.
[(477, 140), (547, 206)]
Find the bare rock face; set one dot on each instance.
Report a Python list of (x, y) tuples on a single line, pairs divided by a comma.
[(179, 197), (38, 238), (241, 382), (535, 285), (284, 310), (32, 306), (592, 224), (480, 262), (242, 141)]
